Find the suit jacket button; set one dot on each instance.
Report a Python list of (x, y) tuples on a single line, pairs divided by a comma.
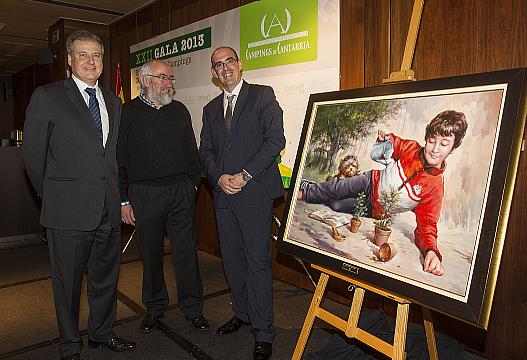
[(103, 178)]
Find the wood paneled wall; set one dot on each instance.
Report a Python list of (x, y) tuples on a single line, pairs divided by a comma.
[(24, 83), (65, 27), (456, 37)]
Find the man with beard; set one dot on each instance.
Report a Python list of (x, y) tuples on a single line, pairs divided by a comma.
[(159, 173)]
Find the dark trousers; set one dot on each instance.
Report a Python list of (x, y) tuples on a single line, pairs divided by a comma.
[(341, 194), (71, 254), (171, 208), (245, 241)]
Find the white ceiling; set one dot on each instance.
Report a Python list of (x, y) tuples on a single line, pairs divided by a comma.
[(24, 24)]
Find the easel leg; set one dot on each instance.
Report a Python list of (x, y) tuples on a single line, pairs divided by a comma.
[(430, 335), (356, 306), (399, 339), (310, 317)]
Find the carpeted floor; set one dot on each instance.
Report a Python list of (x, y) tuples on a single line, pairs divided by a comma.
[(28, 327)]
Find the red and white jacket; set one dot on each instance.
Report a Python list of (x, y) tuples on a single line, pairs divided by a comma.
[(421, 189)]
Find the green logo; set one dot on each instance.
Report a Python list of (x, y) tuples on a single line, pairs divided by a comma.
[(278, 32), (184, 44)]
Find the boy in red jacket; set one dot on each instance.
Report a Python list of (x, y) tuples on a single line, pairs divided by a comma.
[(415, 171)]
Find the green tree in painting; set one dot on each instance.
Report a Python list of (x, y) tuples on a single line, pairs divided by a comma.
[(339, 126)]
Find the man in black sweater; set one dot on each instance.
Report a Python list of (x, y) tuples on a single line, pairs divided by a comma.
[(159, 173)]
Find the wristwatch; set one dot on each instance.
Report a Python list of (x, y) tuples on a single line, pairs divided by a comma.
[(246, 176)]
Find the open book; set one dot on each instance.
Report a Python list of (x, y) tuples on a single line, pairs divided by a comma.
[(329, 217)]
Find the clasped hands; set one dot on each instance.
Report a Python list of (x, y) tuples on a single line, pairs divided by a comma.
[(232, 184)]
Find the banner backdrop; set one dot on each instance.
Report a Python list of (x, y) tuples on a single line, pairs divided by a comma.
[(291, 45)]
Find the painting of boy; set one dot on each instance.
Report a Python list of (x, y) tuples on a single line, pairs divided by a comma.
[(417, 173)]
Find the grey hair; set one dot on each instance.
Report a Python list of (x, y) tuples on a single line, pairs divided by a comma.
[(144, 70), (82, 35)]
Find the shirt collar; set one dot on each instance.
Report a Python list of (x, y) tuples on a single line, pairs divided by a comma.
[(235, 91), (82, 85), (148, 102)]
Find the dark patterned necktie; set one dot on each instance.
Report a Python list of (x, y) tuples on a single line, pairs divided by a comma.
[(228, 113), (95, 112)]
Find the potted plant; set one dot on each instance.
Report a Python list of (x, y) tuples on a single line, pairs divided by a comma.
[(389, 201), (360, 211)]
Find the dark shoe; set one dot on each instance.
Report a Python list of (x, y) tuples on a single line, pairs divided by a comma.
[(116, 344), (231, 326), (199, 322), (262, 350), (304, 183), (148, 324), (76, 356)]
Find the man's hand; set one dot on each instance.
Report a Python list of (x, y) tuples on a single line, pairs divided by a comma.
[(383, 135), (238, 180), (432, 264), (229, 184), (127, 214)]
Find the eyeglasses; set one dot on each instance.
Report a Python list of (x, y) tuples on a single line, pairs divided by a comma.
[(163, 77), (229, 62)]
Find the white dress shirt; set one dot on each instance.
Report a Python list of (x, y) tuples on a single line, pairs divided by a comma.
[(102, 105)]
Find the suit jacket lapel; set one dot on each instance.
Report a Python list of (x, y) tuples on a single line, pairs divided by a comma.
[(240, 104), (220, 118), (76, 98), (110, 108)]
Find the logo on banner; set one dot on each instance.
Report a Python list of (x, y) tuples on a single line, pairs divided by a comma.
[(278, 32), (275, 22)]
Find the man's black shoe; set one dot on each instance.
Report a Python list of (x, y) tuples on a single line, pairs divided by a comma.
[(148, 324), (199, 322), (262, 350), (76, 356), (231, 326), (116, 344)]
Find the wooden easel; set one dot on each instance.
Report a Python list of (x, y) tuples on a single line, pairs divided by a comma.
[(406, 73), (350, 328)]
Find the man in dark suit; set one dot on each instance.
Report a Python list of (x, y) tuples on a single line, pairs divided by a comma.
[(242, 136), (70, 155)]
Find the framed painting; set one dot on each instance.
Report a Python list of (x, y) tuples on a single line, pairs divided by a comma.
[(431, 166)]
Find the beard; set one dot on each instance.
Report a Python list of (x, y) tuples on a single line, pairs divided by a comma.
[(162, 98)]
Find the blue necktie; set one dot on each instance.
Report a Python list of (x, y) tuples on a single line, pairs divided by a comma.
[(93, 106)]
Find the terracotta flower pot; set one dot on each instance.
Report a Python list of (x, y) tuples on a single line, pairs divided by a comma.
[(381, 236), (354, 225), (387, 251)]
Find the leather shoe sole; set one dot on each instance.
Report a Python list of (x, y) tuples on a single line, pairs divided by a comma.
[(115, 344), (231, 326)]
